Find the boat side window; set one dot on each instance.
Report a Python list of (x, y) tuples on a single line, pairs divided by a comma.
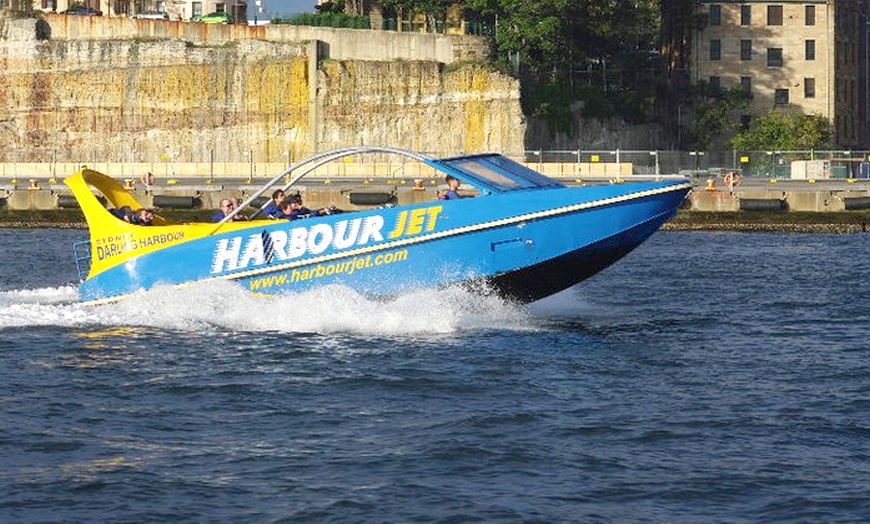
[(488, 174), (500, 172), (517, 169)]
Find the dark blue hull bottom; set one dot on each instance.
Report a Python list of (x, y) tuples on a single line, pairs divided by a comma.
[(541, 280)]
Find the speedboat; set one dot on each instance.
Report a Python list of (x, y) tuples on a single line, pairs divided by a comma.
[(523, 235)]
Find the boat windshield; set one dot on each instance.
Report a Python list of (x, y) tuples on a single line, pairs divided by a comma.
[(499, 173)]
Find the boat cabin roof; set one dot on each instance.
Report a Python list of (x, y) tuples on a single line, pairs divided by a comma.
[(495, 173)]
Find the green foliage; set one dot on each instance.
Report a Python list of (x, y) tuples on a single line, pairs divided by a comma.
[(331, 7), (602, 104), (785, 130), (566, 51), (328, 19), (717, 113), (536, 30), (550, 102)]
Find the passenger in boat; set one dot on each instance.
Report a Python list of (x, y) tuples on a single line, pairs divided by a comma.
[(452, 192), (142, 217), (236, 204), (226, 209), (292, 209), (124, 213), (273, 208)]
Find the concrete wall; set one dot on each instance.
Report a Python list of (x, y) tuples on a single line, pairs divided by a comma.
[(339, 44), (792, 200)]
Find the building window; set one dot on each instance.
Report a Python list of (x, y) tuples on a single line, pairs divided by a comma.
[(780, 97), (774, 15), (810, 11), (715, 14), (715, 49), (774, 57), (745, 15), (746, 49), (196, 10), (810, 49), (715, 84), (220, 8), (746, 83), (809, 87)]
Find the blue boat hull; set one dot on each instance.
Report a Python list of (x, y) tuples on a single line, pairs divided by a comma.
[(527, 245), (557, 274)]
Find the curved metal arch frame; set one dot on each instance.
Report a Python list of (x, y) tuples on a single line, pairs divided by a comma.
[(316, 161)]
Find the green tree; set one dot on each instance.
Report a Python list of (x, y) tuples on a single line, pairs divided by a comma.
[(716, 113), (337, 6), (785, 130), (534, 32)]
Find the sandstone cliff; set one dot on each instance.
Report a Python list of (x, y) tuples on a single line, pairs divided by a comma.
[(141, 99)]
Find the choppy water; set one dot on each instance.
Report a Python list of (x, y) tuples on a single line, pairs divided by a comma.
[(705, 378)]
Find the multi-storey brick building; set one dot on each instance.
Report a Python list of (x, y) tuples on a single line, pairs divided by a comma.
[(808, 55)]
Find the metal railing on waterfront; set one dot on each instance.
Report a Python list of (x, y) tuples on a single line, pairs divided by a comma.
[(560, 163)]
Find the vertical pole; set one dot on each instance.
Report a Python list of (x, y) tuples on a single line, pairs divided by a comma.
[(250, 166), (618, 166)]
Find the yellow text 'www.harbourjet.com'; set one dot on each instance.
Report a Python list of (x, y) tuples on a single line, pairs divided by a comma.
[(345, 267)]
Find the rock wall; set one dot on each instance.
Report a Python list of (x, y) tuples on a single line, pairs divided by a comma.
[(420, 106), (252, 100), (130, 100), (592, 134)]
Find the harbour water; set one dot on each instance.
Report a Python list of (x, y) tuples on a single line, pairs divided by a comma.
[(707, 377)]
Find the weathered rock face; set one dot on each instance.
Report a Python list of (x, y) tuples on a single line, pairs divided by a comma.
[(146, 100), (592, 134), (419, 106), (127, 99)]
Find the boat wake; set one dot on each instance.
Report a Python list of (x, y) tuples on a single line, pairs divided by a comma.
[(218, 305)]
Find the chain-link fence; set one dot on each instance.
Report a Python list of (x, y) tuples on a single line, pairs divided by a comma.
[(763, 164)]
